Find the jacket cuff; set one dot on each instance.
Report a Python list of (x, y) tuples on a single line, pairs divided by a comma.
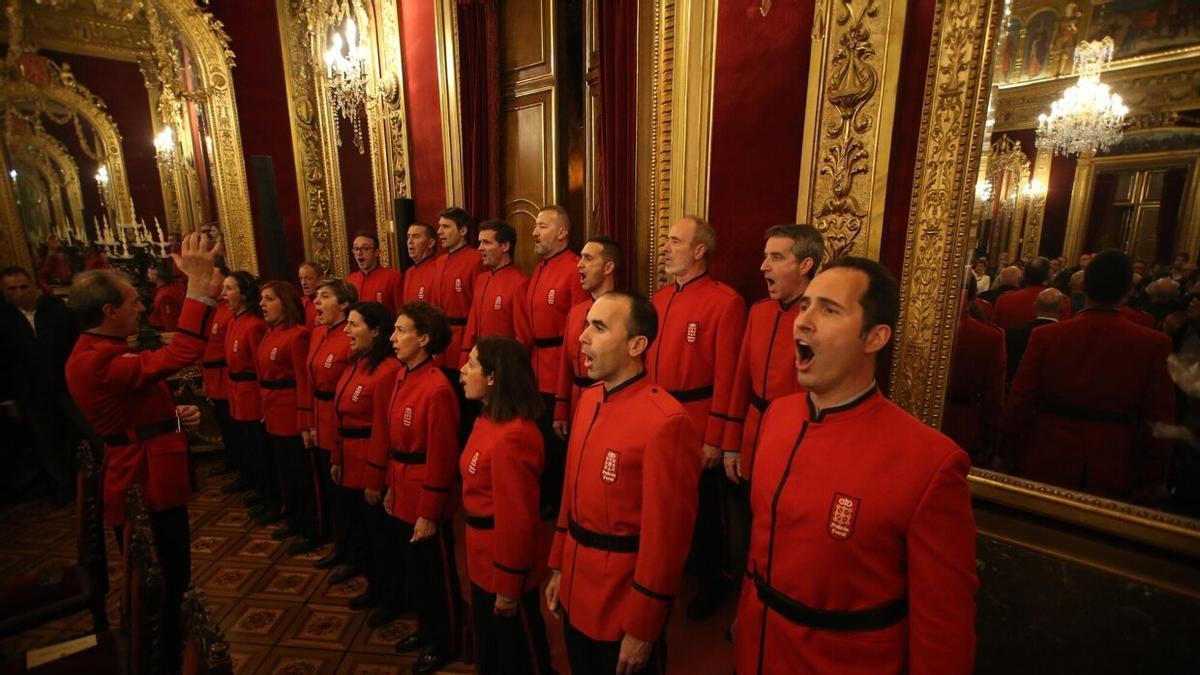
[(509, 581), (647, 613), (433, 502), (556, 548)]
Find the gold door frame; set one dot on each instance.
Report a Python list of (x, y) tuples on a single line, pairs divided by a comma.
[(61, 158)]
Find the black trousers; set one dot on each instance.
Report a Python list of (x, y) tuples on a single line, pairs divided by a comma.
[(172, 539), (352, 536), (556, 453), (431, 578), (708, 537), (57, 426), (385, 570), (326, 494), (295, 467), (737, 534), (468, 410), (221, 409), (260, 462), (598, 657), (509, 645)]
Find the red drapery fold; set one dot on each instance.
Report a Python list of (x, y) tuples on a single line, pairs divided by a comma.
[(479, 78), (616, 211)]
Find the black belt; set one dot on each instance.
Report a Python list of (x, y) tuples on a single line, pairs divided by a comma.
[(689, 395), (143, 433), (1086, 414), (875, 618), (322, 395), (616, 543), (759, 402), (354, 432), (287, 383), (543, 343), (215, 363), (480, 522), (242, 377), (583, 382), (408, 457), (456, 320)]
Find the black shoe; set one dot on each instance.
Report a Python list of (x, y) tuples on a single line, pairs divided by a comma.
[(251, 500), (706, 603), (266, 517), (429, 662), (284, 532), (549, 511), (368, 600), (301, 546), (343, 574), (410, 643), (235, 487), (331, 560), (381, 615)]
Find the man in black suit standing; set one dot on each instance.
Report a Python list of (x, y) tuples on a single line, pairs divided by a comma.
[(1049, 308)]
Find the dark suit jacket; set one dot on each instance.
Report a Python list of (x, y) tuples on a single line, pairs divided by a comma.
[(1015, 341), (994, 292), (37, 362)]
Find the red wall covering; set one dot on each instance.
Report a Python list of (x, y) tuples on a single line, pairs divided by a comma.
[(263, 117), (358, 188), (123, 89), (759, 90), (1058, 195), (427, 180)]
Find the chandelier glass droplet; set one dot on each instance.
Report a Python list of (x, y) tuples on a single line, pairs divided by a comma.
[(346, 64), (1088, 117)]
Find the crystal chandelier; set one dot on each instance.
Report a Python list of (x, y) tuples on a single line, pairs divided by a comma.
[(346, 63), (1088, 117), (164, 147)]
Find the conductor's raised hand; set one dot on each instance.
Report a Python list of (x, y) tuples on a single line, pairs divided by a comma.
[(195, 259)]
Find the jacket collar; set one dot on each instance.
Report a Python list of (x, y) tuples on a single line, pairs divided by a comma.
[(546, 261), (679, 287), (609, 393), (815, 415), (114, 338)]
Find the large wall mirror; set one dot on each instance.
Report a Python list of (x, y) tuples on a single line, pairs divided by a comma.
[(119, 129), (1089, 140)]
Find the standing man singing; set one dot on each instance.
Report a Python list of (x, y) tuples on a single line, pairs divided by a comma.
[(455, 271), (498, 305), (862, 554), (700, 323), (629, 500), (553, 291), (373, 281), (309, 275), (421, 279)]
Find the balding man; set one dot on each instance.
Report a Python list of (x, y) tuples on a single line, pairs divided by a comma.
[(1007, 280), (1016, 308), (1049, 309), (1164, 298)]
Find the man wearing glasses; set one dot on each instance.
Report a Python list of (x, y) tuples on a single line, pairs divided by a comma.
[(375, 283)]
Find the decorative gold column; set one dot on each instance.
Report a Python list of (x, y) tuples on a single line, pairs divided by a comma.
[(14, 243), (445, 24), (695, 42), (853, 82), (948, 154)]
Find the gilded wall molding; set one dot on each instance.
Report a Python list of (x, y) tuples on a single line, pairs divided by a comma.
[(694, 44), (856, 52), (1034, 207), (948, 155), (25, 161), (14, 242), (445, 23), (662, 92), (387, 125), (78, 31), (37, 140)]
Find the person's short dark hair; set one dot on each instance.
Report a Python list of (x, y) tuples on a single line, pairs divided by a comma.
[(610, 249), (1108, 277), (643, 319), (368, 234), (807, 242), (559, 211), (289, 297), (377, 317), (505, 233), (314, 266), (1037, 271), (343, 290), (428, 320), (429, 229), (881, 301), (164, 269), (13, 270), (1062, 281), (514, 392), (248, 285), (91, 291), (460, 217)]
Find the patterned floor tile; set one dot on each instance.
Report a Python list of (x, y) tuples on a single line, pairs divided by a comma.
[(257, 621), (212, 497), (340, 594), (247, 657), (290, 583), (233, 518), (229, 579), (324, 627), (383, 639), (375, 664), (257, 548), (210, 543), (293, 661), (307, 558)]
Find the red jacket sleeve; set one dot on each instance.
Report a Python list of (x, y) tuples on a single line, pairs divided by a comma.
[(670, 475), (468, 341), (304, 398), (441, 454), (135, 369), (398, 291), (516, 468), (739, 398), (522, 323), (941, 574), (378, 450), (730, 330)]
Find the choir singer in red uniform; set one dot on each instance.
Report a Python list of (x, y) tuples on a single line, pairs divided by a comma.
[(862, 553), (373, 281), (420, 280), (455, 270), (500, 468), (629, 500), (498, 306)]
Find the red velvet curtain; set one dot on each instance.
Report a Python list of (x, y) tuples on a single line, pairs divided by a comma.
[(479, 78), (616, 212)]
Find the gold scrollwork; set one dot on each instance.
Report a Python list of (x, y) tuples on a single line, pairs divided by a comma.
[(660, 139), (35, 140)]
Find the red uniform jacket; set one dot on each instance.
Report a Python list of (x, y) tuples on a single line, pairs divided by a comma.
[(283, 379), (1138, 316), (975, 397), (553, 291), (988, 309), (383, 285), (419, 281), (572, 374), (1082, 401), (55, 269), (310, 312), (498, 308), (633, 466), (1016, 307), (695, 354), (125, 393), (213, 369), (245, 333), (358, 395), (168, 301), (855, 507), (416, 437), (328, 358), (766, 370), (500, 468), (455, 273)]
